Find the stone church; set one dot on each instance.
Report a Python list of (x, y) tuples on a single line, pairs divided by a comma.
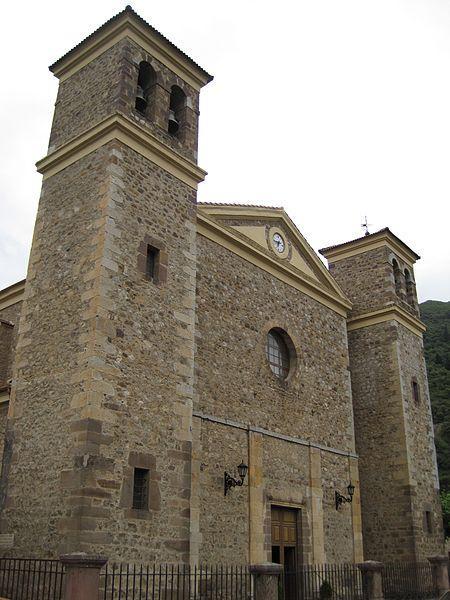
[(187, 382)]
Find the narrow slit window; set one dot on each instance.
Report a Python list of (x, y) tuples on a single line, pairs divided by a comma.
[(415, 391), (428, 522), (140, 489), (152, 263)]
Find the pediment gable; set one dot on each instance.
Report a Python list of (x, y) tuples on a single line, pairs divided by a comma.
[(268, 237)]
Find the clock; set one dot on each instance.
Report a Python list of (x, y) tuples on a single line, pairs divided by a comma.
[(278, 243)]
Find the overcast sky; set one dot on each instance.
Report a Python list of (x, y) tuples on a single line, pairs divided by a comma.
[(334, 109)]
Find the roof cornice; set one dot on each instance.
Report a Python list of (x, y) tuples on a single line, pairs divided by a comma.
[(12, 294), (385, 237), (388, 313), (129, 24), (242, 211), (119, 127), (214, 231)]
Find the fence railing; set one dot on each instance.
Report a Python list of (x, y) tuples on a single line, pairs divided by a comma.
[(333, 582), (174, 582), (408, 581), (36, 579), (24, 578)]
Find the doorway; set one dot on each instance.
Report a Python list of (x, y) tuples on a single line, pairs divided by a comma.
[(286, 545)]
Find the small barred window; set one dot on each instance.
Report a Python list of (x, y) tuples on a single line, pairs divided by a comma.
[(140, 489), (152, 263), (278, 354)]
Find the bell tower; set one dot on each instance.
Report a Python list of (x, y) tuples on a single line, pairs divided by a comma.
[(98, 444), (393, 423)]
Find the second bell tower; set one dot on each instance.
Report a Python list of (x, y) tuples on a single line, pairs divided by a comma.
[(393, 424), (104, 366)]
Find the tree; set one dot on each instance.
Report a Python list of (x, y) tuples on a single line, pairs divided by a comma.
[(445, 500)]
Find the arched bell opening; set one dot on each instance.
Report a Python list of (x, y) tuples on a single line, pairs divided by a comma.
[(145, 88), (176, 110)]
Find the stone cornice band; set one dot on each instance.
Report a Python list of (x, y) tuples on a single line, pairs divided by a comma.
[(390, 313), (118, 127), (273, 434)]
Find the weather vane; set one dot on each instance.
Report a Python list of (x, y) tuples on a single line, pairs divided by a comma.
[(365, 226)]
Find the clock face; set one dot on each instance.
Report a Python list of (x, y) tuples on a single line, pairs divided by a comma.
[(278, 243)]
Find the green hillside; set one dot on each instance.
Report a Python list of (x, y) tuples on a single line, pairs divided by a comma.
[(436, 316)]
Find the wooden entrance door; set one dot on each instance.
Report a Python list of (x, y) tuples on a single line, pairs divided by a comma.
[(286, 546), (285, 542)]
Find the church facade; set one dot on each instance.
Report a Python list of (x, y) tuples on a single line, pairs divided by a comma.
[(187, 382)]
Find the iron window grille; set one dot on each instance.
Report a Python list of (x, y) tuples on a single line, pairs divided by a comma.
[(140, 489)]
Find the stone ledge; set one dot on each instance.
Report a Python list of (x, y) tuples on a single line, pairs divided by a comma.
[(83, 560), (266, 569)]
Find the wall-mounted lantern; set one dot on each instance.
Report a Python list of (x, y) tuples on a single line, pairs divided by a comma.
[(340, 499), (229, 482)]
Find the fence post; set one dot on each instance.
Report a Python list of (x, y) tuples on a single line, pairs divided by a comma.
[(440, 573), (82, 576), (372, 580), (266, 577)]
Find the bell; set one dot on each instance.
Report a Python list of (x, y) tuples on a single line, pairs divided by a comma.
[(141, 101), (174, 125)]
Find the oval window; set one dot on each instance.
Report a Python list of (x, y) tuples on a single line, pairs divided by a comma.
[(278, 352)]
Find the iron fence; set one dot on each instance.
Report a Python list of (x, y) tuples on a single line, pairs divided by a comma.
[(43, 579), (322, 582), (25, 578), (174, 582), (408, 581)]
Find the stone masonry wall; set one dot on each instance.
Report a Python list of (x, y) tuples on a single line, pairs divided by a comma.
[(3, 417), (108, 370), (338, 532), (421, 449), (237, 304), (9, 328), (88, 96), (368, 281), (107, 85), (381, 444), (49, 346), (224, 523), (394, 435), (151, 363), (284, 471)]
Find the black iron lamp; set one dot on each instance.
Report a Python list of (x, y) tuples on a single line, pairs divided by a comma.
[(229, 481), (340, 499)]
